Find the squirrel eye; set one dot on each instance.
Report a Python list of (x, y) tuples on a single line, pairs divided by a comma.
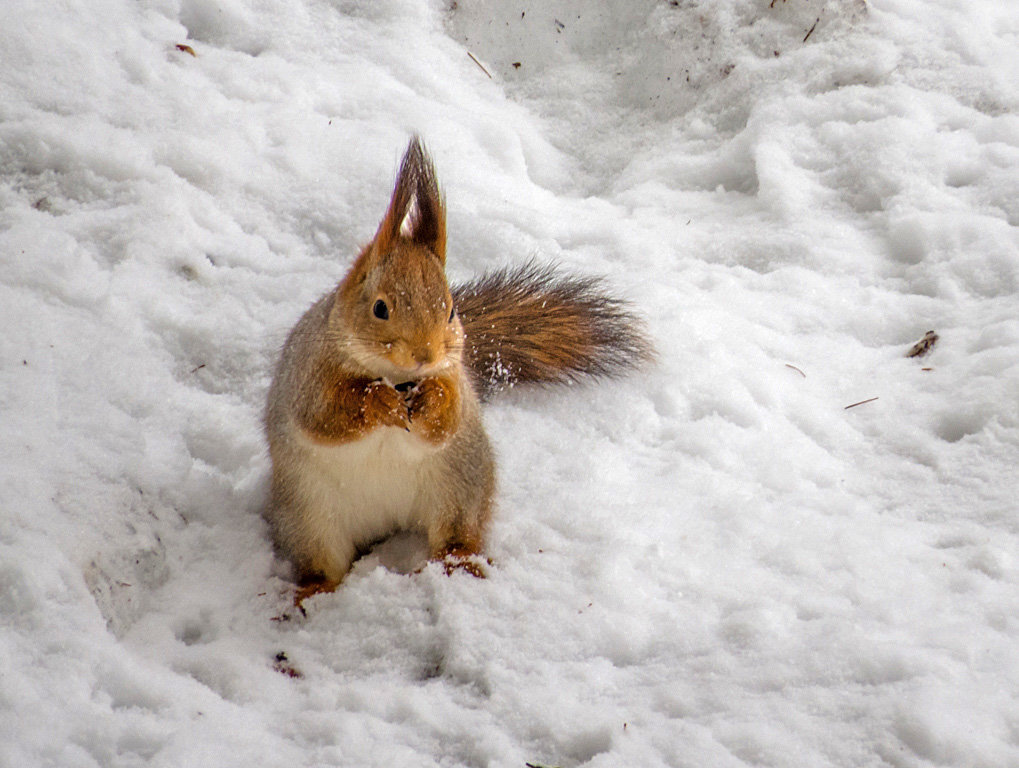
[(380, 310), (452, 313)]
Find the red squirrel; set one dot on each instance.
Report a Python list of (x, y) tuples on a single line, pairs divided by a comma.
[(374, 414)]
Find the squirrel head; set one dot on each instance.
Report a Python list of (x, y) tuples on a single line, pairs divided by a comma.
[(394, 310)]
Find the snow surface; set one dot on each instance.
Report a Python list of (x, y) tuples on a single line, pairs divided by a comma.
[(710, 563)]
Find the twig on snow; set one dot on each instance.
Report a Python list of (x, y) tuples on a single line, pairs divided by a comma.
[(480, 65), (862, 402), (811, 30)]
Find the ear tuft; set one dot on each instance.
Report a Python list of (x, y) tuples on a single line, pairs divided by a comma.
[(416, 209)]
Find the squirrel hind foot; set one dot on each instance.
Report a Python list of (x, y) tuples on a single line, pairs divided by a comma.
[(313, 585), (464, 559)]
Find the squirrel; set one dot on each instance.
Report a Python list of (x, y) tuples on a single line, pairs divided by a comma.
[(373, 417)]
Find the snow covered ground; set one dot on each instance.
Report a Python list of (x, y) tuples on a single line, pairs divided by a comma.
[(710, 563)]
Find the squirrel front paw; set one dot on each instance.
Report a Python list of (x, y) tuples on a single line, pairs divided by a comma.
[(384, 406), (434, 407)]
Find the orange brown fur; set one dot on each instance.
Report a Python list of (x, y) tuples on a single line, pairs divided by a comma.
[(339, 409)]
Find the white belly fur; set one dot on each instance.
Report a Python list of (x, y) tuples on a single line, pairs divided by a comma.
[(360, 491)]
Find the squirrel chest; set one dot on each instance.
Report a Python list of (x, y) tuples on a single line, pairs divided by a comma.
[(372, 485)]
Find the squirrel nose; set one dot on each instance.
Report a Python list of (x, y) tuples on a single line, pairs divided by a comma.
[(424, 355)]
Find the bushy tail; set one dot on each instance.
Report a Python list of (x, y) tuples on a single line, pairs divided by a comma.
[(532, 324)]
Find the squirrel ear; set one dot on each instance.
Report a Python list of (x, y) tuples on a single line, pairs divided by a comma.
[(399, 204), (416, 210), (428, 217)]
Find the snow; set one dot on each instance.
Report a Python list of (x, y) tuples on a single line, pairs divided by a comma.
[(710, 563)]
